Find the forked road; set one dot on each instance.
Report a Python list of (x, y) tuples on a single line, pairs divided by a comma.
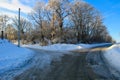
[(76, 65)]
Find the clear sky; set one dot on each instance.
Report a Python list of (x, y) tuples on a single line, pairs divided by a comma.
[(110, 10)]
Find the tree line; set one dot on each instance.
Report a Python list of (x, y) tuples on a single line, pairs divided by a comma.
[(63, 21)]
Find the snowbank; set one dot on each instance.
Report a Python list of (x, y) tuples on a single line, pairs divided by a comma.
[(11, 56), (65, 47), (112, 55), (94, 45), (56, 47)]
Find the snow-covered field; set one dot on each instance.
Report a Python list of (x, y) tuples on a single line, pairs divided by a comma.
[(112, 55), (11, 56)]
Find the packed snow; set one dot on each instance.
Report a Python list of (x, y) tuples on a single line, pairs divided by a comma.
[(55, 47), (65, 47), (11, 56), (94, 45), (112, 55)]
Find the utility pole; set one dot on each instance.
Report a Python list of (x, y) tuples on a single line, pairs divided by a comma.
[(19, 28)]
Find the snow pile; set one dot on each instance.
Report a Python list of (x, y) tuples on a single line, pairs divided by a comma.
[(56, 47), (66, 47), (94, 45), (62, 47), (112, 55), (11, 56)]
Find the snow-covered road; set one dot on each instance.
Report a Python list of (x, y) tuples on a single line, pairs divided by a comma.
[(67, 66), (39, 62)]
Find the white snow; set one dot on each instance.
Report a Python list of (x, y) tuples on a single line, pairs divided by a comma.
[(11, 56), (112, 55), (64, 47), (93, 45), (56, 47)]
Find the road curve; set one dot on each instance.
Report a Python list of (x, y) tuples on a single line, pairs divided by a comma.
[(86, 64), (75, 65)]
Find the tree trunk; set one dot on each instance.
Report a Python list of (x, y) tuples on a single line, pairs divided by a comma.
[(78, 37), (2, 34), (61, 29)]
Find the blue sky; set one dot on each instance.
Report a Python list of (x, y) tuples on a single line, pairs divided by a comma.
[(110, 10)]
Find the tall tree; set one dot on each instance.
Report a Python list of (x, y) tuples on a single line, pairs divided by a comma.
[(60, 9), (38, 16), (53, 17), (87, 21)]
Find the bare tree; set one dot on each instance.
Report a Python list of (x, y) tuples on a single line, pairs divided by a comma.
[(53, 18), (11, 32), (3, 23), (24, 26), (38, 16), (60, 10), (88, 22)]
